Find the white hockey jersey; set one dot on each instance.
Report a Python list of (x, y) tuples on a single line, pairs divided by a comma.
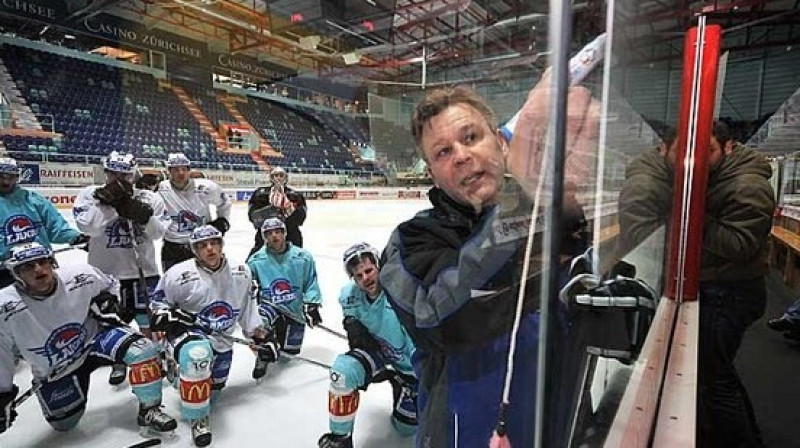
[(111, 247), (53, 332), (189, 208), (218, 299)]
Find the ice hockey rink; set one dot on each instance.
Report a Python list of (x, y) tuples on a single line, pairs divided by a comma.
[(289, 407)]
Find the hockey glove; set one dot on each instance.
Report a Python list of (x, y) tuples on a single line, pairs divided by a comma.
[(173, 321), (104, 308), (220, 224), (267, 347), (114, 193), (7, 411), (358, 336), (81, 240), (311, 314), (620, 292), (135, 210)]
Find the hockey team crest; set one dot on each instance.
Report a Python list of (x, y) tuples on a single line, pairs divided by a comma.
[(388, 350), (187, 221), (65, 342), (280, 290), (119, 234), (19, 229), (218, 316)]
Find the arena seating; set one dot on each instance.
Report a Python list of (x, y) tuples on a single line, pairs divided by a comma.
[(207, 101), (350, 128), (97, 108), (299, 138)]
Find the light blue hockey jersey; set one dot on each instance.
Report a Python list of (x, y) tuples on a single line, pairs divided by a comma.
[(287, 280), (26, 216), (382, 323)]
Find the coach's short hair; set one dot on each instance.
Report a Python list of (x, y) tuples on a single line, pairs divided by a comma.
[(438, 100)]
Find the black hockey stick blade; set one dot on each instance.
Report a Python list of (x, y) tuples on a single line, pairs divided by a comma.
[(146, 443)]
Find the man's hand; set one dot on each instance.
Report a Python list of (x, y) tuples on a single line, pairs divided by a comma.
[(526, 152)]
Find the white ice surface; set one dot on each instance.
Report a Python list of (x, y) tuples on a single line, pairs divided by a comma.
[(289, 407)]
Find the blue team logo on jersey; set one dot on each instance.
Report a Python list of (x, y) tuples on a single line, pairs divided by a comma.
[(280, 290), (388, 350), (19, 229), (119, 234), (187, 221), (65, 342), (218, 316)]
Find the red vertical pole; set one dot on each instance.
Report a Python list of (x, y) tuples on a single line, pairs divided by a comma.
[(691, 173)]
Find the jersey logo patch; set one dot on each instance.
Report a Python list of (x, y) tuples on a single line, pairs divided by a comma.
[(388, 350), (78, 281), (8, 310), (65, 342), (119, 234), (19, 229), (280, 290), (218, 316), (187, 221)]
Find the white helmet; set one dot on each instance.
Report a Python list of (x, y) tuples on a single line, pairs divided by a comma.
[(8, 166), (26, 253), (176, 159), (203, 233), (278, 170), (353, 254), (120, 163), (272, 224)]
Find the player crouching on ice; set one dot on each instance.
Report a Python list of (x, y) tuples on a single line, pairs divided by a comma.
[(289, 295), (64, 323), (197, 304), (380, 350)]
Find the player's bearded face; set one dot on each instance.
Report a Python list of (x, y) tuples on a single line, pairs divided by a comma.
[(209, 253), (37, 276), (365, 274), (465, 156), (7, 182), (276, 240)]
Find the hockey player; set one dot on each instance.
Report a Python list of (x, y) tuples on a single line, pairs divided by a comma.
[(289, 295), (277, 200), (63, 321), (26, 216), (187, 201), (123, 223), (149, 181), (380, 350), (196, 304)]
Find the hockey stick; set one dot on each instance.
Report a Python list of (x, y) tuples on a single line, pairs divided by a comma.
[(81, 246), (300, 321), (248, 343), (146, 443), (138, 258)]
